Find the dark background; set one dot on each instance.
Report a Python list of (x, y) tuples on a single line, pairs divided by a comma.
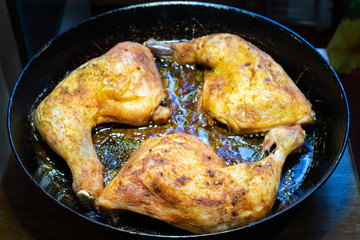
[(35, 22)]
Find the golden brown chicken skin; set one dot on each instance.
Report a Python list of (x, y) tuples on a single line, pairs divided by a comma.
[(123, 85), (244, 87), (182, 181)]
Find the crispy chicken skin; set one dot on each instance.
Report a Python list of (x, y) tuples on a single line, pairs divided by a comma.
[(123, 85), (244, 87), (179, 179)]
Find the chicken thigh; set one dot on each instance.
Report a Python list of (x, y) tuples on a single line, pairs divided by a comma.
[(181, 180), (123, 85), (244, 87)]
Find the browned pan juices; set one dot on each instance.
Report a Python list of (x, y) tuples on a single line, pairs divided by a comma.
[(116, 143)]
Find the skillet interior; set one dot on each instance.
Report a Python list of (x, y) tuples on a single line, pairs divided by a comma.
[(176, 20)]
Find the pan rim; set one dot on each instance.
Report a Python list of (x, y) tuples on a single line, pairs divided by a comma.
[(185, 3)]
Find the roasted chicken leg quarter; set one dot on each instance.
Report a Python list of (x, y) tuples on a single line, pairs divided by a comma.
[(244, 87), (123, 85), (182, 181)]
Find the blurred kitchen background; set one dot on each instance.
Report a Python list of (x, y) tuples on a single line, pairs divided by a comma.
[(26, 25)]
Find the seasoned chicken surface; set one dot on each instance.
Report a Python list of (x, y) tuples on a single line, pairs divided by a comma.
[(180, 180), (244, 87), (123, 85)]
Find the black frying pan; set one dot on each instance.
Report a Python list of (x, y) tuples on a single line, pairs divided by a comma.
[(175, 20)]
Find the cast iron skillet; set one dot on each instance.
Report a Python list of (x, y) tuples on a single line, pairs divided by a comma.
[(176, 20)]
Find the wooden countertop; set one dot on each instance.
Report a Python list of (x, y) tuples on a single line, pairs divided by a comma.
[(332, 212)]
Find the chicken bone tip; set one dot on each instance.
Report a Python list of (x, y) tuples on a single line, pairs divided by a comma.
[(159, 47), (85, 197)]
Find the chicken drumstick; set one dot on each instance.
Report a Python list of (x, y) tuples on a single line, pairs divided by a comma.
[(182, 181), (123, 85), (244, 87)]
